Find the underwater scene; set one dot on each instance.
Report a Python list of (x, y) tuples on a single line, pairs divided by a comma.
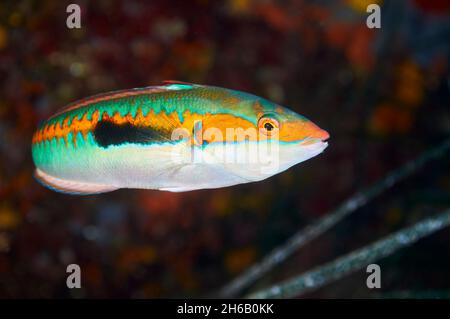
[(225, 149)]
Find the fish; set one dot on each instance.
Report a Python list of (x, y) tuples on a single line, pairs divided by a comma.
[(175, 137)]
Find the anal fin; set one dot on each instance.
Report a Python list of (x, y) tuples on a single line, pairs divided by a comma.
[(71, 187)]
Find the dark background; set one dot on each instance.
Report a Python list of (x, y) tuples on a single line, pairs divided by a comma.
[(383, 94)]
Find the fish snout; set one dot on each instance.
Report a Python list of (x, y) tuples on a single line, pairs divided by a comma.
[(313, 131)]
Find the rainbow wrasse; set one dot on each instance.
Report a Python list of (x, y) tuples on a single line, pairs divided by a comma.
[(174, 137)]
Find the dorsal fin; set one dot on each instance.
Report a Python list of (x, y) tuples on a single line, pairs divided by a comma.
[(178, 85), (177, 82), (124, 93)]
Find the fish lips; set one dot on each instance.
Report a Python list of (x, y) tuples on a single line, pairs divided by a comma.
[(314, 141)]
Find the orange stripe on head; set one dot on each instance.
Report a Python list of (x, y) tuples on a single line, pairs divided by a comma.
[(291, 131), (228, 128)]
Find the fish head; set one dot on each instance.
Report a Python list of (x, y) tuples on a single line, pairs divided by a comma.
[(294, 138), (261, 139)]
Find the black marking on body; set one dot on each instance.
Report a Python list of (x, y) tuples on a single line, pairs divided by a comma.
[(107, 133)]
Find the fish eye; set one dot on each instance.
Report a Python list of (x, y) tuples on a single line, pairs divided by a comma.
[(268, 125)]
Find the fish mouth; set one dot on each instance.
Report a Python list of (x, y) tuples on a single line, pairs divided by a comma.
[(324, 135), (318, 137), (315, 141)]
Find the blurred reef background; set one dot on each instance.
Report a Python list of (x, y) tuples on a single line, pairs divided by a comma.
[(383, 94)]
